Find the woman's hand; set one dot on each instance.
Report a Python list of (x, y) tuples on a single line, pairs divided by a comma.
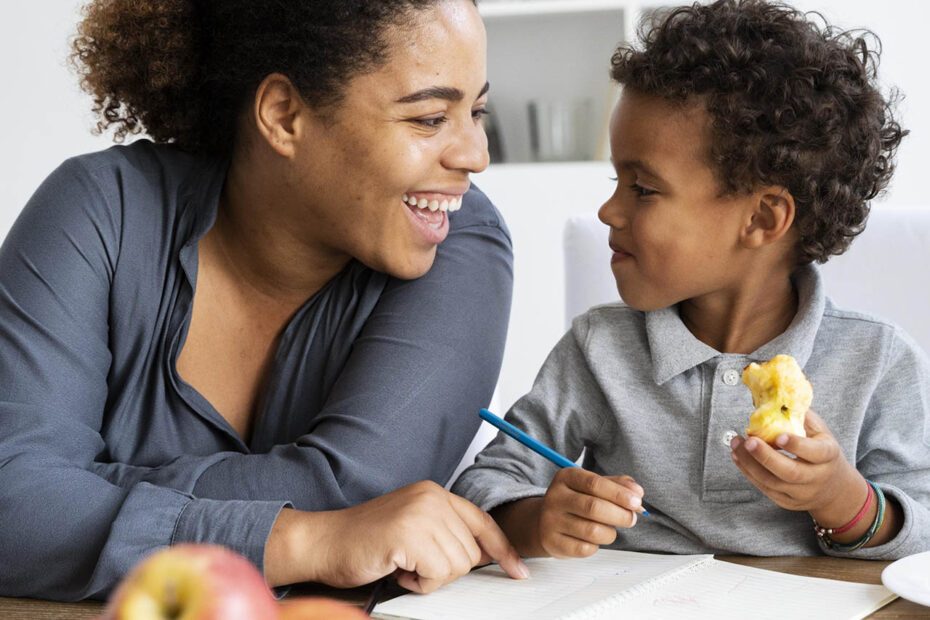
[(580, 511), (421, 532)]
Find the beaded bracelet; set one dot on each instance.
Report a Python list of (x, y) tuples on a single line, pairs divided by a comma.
[(827, 531), (865, 538)]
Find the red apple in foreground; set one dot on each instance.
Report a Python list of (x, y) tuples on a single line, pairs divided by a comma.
[(318, 608), (193, 582)]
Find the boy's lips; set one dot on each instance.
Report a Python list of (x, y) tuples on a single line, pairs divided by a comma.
[(619, 252)]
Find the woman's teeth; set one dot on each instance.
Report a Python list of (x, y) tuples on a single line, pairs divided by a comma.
[(451, 205)]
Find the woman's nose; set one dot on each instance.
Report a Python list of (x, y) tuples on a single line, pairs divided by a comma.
[(468, 150)]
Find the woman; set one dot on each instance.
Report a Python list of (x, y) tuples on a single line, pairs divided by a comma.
[(255, 335)]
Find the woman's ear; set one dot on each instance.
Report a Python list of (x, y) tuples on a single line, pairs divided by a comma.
[(770, 217), (276, 113)]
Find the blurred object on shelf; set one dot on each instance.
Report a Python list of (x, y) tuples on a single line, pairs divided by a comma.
[(495, 139), (560, 130)]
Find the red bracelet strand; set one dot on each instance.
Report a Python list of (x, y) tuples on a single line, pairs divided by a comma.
[(821, 531)]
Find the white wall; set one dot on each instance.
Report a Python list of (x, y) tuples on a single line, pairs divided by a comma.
[(46, 119), (45, 116)]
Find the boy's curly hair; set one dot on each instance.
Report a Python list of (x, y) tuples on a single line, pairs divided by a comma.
[(791, 104), (183, 70)]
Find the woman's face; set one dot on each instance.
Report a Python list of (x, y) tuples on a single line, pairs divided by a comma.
[(410, 131)]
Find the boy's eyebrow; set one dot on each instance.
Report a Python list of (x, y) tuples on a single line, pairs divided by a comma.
[(638, 164), (447, 93)]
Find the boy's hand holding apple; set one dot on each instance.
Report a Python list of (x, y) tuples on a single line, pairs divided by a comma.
[(818, 480)]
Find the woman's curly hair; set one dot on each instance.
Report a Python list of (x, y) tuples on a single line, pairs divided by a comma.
[(183, 70), (791, 103)]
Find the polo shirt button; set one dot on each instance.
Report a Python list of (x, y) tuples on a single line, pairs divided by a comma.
[(731, 377), (728, 437)]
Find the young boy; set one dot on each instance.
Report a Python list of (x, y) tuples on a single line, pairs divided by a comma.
[(747, 143)]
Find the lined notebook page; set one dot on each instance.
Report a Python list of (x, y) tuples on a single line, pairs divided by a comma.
[(723, 590), (643, 586), (557, 587)]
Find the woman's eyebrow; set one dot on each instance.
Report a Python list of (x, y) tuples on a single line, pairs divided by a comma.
[(439, 92)]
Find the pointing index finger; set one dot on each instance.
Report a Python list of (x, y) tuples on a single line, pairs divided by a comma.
[(490, 537)]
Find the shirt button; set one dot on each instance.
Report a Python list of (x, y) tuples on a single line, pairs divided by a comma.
[(728, 437), (731, 377)]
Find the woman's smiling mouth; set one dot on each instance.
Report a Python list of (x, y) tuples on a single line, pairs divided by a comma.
[(429, 213), (434, 202)]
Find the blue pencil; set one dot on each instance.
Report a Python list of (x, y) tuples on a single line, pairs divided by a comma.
[(543, 450)]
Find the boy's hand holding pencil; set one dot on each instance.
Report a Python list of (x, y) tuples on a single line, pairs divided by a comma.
[(580, 511)]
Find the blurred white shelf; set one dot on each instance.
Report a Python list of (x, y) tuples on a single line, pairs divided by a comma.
[(520, 8), (553, 53)]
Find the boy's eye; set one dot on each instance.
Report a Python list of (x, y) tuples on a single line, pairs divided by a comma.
[(641, 191)]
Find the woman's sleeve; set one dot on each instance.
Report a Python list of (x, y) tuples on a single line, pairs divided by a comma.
[(66, 533), (405, 406), (894, 448)]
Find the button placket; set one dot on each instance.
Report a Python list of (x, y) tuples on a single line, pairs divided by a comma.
[(729, 406)]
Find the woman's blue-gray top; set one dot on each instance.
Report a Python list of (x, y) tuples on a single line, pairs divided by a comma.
[(106, 454)]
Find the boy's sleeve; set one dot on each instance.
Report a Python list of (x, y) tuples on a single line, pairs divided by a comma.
[(894, 448), (564, 410)]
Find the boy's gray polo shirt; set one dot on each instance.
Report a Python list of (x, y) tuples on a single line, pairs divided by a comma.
[(644, 397)]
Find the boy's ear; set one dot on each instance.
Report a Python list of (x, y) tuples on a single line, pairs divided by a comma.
[(771, 215), (276, 113)]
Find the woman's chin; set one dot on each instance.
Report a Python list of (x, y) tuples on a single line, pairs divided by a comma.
[(417, 265)]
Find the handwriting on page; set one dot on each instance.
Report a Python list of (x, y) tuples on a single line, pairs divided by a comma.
[(724, 590)]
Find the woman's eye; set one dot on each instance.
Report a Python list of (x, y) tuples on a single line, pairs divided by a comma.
[(479, 113), (432, 123)]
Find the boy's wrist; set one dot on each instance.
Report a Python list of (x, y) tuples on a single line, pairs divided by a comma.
[(519, 521), (848, 503)]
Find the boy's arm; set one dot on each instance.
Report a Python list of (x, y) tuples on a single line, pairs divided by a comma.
[(545, 510), (894, 453), (564, 410)]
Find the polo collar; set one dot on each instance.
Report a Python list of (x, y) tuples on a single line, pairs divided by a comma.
[(675, 349)]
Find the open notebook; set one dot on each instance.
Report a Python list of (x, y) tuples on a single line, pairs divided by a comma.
[(641, 586)]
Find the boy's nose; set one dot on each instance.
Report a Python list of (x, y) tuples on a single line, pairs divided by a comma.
[(611, 214)]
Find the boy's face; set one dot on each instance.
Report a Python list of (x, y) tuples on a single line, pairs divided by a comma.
[(674, 236)]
